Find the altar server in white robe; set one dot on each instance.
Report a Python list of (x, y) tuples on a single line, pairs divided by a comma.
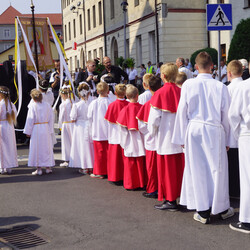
[(65, 124), (234, 73), (8, 151), (202, 126), (39, 127), (146, 95), (82, 149), (239, 118)]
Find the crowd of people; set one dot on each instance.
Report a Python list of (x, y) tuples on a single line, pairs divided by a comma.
[(162, 140)]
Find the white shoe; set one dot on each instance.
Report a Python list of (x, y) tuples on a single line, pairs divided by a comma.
[(48, 171), (83, 171), (228, 214), (64, 164), (200, 219), (37, 172), (9, 170)]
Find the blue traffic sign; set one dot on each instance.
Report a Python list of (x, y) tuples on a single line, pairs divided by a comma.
[(219, 17)]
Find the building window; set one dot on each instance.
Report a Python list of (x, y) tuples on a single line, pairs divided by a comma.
[(65, 33), (246, 3), (101, 54), (89, 55), (152, 47), (89, 27), (95, 53), (100, 12), (80, 23), (112, 9), (69, 31), (138, 51), (127, 48), (94, 17), (76, 66), (70, 63), (136, 2), (6, 33), (74, 28)]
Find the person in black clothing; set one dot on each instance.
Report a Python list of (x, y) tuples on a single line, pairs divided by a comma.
[(90, 76), (115, 71)]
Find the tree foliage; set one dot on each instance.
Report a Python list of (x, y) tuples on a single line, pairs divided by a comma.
[(239, 47), (211, 51)]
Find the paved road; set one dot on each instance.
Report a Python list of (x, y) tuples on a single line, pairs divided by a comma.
[(77, 212)]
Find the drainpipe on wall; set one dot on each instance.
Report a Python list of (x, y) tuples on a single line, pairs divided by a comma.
[(157, 32), (208, 34), (85, 45), (104, 29)]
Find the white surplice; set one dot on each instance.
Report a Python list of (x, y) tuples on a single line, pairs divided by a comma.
[(96, 112), (202, 126), (239, 118), (8, 150), (144, 97), (235, 83), (39, 125), (66, 124), (82, 150), (160, 126)]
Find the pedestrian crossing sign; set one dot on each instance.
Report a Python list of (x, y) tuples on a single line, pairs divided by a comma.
[(219, 17)]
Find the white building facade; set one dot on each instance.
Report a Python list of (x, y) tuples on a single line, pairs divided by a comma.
[(155, 30)]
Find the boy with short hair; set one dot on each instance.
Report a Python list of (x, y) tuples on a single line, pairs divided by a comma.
[(149, 142), (146, 95), (202, 126), (180, 78), (115, 163), (99, 129), (170, 158), (132, 142), (234, 73)]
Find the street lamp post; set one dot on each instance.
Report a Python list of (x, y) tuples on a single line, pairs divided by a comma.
[(124, 5)]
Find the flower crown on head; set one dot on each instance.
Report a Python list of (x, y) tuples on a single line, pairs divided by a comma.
[(4, 92)]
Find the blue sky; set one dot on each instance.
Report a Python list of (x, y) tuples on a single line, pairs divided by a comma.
[(41, 6)]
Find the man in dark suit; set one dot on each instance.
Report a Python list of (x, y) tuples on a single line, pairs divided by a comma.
[(89, 76)]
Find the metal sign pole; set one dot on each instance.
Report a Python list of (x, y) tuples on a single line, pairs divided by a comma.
[(219, 56)]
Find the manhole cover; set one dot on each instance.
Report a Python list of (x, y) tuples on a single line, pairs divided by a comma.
[(22, 237)]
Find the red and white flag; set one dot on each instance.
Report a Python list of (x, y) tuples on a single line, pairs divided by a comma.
[(74, 45)]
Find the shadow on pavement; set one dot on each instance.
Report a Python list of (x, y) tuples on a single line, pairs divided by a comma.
[(5, 221)]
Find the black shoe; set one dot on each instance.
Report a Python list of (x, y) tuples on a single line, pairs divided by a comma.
[(167, 205), (153, 195), (240, 227), (59, 133)]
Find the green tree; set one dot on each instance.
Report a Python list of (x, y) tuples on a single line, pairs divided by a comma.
[(239, 47), (211, 51)]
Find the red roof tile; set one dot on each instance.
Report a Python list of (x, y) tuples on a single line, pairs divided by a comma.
[(8, 16)]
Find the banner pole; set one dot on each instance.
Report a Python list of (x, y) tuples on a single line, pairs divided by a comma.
[(34, 35)]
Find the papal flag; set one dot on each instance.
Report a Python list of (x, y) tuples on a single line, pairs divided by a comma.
[(45, 59)]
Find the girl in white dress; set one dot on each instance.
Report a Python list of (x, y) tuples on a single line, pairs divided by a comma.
[(39, 127), (82, 150), (8, 151), (66, 125)]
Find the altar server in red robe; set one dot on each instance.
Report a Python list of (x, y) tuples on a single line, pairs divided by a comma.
[(149, 142), (170, 159), (115, 152), (132, 142), (99, 130)]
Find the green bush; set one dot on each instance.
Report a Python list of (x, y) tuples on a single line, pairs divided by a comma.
[(130, 62), (211, 51), (119, 61), (239, 47)]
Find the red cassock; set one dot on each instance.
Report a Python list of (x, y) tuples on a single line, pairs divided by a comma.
[(151, 156), (134, 167), (100, 157), (115, 162), (170, 167)]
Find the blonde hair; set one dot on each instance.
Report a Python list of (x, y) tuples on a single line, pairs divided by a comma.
[(181, 78), (67, 93), (36, 95), (86, 91), (120, 90), (170, 71), (235, 67), (146, 79), (131, 91), (102, 88), (10, 114)]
